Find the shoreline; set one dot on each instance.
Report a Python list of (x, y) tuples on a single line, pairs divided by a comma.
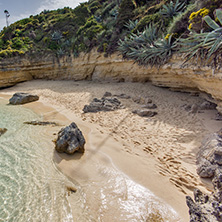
[(123, 144)]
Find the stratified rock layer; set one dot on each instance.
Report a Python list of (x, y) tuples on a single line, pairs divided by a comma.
[(70, 140), (22, 98), (94, 66)]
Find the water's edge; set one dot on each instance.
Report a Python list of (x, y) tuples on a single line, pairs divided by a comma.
[(103, 192)]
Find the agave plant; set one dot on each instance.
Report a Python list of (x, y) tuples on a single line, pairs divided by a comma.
[(205, 47), (155, 55), (114, 13), (56, 36), (131, 24), (139, 40), (60, 52), (146, 48), (172, 9), (98, 18)]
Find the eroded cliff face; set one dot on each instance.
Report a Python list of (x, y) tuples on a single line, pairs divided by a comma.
[(94, 66)]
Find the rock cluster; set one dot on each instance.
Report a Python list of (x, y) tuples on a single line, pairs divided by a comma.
[(70, 139), (195, 108), (209, 157), (218, 116), (22, 98), (141, 100), (146, 108), (103, 104), (207, 208)]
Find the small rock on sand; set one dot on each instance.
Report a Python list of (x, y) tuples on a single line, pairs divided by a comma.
[(2, 131), (144, 113)]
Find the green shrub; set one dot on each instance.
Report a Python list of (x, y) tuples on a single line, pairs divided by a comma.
[(105, 11), (125, 13), (10, 52), (82, 13), (53, 45), (146, 20), (23, 22), (94, 6), (17, 43), (90, 29), (1, 44)]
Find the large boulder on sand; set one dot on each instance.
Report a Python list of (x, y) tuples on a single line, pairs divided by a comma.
[(209, 157), (70, 140), (22, 98)]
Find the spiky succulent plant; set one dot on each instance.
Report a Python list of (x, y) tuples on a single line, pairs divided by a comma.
[(205, 47), (172, 9), (131, 24), (56, 36), (145, 48)]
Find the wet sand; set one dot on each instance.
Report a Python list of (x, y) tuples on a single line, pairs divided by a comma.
[(157, 154)]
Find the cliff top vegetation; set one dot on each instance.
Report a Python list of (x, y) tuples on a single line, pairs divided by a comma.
[(147, 31)]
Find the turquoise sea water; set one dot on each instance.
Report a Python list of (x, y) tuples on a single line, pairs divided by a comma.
[(31, 188)]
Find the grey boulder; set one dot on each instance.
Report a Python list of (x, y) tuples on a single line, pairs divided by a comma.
[(22, 98), (103, 104), (70, 139), (209, 156)]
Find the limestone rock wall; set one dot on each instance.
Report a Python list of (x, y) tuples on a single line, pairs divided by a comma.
[(94, 66)]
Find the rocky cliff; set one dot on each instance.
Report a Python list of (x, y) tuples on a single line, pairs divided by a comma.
[(94, 66)]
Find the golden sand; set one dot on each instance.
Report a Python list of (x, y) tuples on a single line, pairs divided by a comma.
[(157, 153)]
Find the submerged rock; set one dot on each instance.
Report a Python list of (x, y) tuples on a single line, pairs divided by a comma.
[(70, 140), (207, 208), (103, 104), (209, 157), (22, 98), (41, 123), (71, 189), (2, 131)]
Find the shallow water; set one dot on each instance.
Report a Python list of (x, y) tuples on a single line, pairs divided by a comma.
[(110, 195), (31, 187)]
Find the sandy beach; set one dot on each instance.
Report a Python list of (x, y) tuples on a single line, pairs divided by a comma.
[(155, 153)]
